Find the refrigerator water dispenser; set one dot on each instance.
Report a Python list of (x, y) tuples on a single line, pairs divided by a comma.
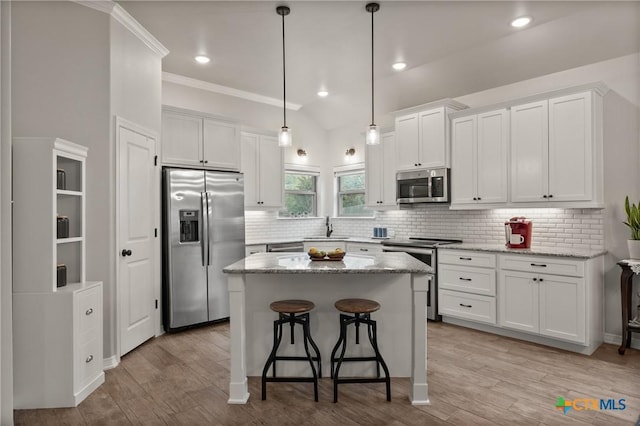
[(189, 226)]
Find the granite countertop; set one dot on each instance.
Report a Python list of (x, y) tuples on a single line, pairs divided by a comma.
[(535, 250), (318, 238), (299, 263)]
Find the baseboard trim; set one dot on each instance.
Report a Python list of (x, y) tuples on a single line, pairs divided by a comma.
[(616, 339), (111, 362)]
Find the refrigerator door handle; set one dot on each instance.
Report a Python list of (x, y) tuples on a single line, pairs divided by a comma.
[(209, 236), (204, 233)]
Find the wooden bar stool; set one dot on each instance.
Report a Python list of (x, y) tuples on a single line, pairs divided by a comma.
[(361, 310), (292, 312)]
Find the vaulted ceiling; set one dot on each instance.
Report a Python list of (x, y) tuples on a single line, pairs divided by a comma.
[(452, 48)]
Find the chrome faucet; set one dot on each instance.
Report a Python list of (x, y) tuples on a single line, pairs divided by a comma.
[(329, 227)]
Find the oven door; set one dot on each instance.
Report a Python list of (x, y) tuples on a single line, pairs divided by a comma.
[(428, 256)]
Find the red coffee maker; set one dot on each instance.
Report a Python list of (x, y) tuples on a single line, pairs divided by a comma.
[(517, 232)]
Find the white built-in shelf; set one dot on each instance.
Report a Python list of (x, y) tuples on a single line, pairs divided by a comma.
[(69, 240), (66, 192)]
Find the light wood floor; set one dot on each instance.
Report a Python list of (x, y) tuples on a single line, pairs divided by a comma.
[(474, 379)]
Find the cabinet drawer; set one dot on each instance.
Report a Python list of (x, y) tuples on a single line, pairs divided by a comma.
[(89, 310), (467, 279), (255, 248), (363, 248), (88, 362), (468, 306), (467, 258), (543, 265)]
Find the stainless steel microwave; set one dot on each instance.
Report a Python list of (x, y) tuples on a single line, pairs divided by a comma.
[(423, 186)]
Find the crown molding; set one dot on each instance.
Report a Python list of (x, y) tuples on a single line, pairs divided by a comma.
[(122, 16), (224, 90)]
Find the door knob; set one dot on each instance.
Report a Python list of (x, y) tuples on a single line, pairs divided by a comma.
[(126, 252)]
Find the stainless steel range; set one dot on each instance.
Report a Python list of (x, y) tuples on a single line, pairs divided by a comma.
[(425, 250)]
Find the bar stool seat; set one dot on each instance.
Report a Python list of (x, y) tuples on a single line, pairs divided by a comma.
[(361, 310), (357, 306), (292, 312)]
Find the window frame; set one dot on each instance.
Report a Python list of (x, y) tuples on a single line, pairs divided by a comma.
[(355, 169), (313, 193)]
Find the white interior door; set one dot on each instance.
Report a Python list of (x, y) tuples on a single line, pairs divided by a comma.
[(136, 212)]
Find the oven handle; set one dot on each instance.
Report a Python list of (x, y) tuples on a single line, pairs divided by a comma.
[(408, 250)]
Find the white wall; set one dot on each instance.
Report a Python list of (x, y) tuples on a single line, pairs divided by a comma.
[(6, 332), (61, 69)]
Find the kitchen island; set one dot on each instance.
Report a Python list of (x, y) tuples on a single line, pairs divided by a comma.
[(396, 280)]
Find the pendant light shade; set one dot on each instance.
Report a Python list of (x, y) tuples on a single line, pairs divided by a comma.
[(284, 136), (373, 135)]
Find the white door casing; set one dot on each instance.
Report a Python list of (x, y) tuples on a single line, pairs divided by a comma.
[(136, 218)]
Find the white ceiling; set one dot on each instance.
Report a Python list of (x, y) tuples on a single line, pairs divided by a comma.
[(452, 48)]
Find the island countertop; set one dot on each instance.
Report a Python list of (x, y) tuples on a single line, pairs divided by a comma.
[(300, 263)]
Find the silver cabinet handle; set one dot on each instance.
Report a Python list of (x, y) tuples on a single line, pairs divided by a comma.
[(89, 311), (465, 279), (364, 249), (466, 306), (89, 359)]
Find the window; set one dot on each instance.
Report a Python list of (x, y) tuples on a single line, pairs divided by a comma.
[(300, 194), (351, 198)]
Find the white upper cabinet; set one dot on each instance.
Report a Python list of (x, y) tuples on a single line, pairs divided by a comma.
[(422, 136), (263, 168), (380, 173), (221, 145), (553, 150), (195, 140), (479, 158)]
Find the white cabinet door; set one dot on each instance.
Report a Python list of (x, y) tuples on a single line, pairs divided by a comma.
[(562, 307), (388, 184), (221, 145), (433, 152), (463, 164), (407, 142), (374, 174), (381, 173), (181, 139), (432, 138), (250, 168), (518, 301), (271, 172), (529, 152), (491, 154), (570, 148), (363, 248)]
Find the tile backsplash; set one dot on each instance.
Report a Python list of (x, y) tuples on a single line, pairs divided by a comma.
[(574, 228)]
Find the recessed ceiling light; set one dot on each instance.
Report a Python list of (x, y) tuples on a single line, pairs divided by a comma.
[(399, 66), (201, 59), (523, 21), (323, 93)]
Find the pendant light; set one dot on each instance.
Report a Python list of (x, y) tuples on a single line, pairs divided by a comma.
[(373, 136), (284, 137)]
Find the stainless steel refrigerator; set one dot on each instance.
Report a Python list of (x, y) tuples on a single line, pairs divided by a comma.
[(203, 231)]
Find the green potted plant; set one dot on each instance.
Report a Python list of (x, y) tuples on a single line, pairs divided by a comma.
[(633, 222)]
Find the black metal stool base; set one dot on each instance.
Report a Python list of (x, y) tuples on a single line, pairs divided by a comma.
[(336, 362), (292, 319)]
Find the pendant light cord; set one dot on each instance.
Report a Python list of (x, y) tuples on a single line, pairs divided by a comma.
[(372, 85), (284, 78)]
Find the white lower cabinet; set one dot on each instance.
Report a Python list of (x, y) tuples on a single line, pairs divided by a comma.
[(554, 300), (57, 346), (542, 303), (363, 248)]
